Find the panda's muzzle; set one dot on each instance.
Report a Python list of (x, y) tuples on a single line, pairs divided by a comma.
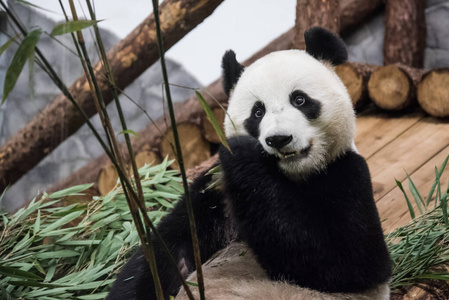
[(278, 141)]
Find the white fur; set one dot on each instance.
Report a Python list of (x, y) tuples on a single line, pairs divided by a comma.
[(233, 273), (271, 80)]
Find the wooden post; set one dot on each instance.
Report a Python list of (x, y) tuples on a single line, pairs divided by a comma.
[(405, 32), (310, 13)]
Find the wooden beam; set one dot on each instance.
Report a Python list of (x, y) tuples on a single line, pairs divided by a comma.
[(405, 32), (310, 13)]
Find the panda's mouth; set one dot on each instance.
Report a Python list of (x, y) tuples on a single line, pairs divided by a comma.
[(295, 154)]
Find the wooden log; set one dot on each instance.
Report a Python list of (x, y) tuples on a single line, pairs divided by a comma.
[(130, 58), (405, 32), (146, 157), (107, 179), (195, 149), (355, 77), (393, 87), (353, 13), (433, 92), (208, 130), (310, 13)]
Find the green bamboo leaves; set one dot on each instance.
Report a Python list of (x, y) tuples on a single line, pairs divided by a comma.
[(72, 26), (23, 53), (212, 120), (419, 248), (74, 251)]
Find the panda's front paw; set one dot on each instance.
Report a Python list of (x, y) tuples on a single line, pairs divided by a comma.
[(241, 147), (245, 150)]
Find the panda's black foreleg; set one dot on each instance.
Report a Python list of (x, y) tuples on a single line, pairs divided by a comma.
[(135, 282)]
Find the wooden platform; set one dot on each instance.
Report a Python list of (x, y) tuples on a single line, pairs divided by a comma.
[(395, 145)]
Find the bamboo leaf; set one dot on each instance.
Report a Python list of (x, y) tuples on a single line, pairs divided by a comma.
[(57, 254), (37, 223), (213, 120), (409, 204), (17, 273), (192, 283), (432, 189), (64, 220), (129, 131), (71, 191), (7, 44), (25, 50), (415, 193), (72, 26)]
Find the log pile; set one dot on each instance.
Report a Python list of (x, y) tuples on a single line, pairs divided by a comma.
[(396, 87)]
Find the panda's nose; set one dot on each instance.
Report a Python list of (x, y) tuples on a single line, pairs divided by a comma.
[(278, 141)]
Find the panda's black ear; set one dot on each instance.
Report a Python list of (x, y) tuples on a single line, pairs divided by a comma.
[(324, 45), (231, 71)]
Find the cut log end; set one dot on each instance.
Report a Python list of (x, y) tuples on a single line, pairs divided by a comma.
[(355, 77), (390, 88), (194, 147), (107, 179), (352, 80), (209, 132), (147, 157), (433, 93)]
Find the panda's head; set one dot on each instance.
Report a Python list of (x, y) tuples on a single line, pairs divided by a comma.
[(294, 103)]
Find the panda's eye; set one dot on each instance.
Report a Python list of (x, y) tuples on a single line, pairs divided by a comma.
[(258, 113), (299, 100)]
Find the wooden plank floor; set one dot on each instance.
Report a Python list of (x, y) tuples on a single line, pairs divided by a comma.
[(397, 145)]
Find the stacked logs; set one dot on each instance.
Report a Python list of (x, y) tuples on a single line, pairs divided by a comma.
[(198, 141), (395, 87)]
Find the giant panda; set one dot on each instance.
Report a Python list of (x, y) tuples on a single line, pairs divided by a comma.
[(295, 192)]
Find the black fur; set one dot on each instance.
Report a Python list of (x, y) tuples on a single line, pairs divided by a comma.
[(231, 71), (323, 234), (135, 281), (311, 107), (324, 45), (252, 122)]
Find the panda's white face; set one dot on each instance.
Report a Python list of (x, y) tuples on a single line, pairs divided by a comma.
[(298, 109)]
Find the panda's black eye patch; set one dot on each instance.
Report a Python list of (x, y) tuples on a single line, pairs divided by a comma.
[(253, 121), (310, 107)]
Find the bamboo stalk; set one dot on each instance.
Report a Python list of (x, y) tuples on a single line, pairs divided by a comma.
[(196, 247)]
